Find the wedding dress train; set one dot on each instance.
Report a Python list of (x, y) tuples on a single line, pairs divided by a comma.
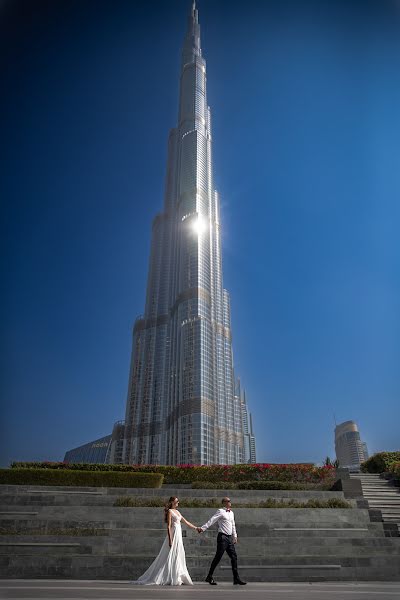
[(169, 567)]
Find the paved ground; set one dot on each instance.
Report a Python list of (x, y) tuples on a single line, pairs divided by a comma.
[(120, 590)]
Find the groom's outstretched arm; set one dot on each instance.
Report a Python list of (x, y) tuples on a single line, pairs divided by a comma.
[(213, 519)]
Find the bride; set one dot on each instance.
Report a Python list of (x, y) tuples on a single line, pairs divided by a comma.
[(169, 567)]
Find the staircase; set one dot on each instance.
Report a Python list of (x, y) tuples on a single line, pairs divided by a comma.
[(381, 495), (79, 533)]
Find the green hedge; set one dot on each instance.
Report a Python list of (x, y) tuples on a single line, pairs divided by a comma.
[(130, 502), (80, 478), (258, 485), (395, 470), (294, 472), (380, 462), (67, 466)]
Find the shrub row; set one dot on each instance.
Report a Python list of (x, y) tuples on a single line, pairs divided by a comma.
[(380, 462), (395, 470), (17, 476), (128, 501), (296, 473), (68, 466), (259, 485)]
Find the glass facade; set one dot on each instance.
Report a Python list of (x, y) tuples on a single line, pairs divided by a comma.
[(94, 452), (181, 405)]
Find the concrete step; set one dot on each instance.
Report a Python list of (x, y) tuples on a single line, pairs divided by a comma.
[(205, 545), (330, 530), (395, 499), (385, 492), (94, 499), (380, 482), (377, 490), (388, 487), (194, 539), (380, 494), (367, 476), (313, 530), (384, 501), (131, 517), (237, 495), (384, 506), (388, 492), (371, 481), (378, 486), (251, 568), (17, 547), (375, 484), (395, 510), (35, 500), (363, 474), (389, 500)]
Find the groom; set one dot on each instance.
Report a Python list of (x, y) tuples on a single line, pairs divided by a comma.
[(226, 540)]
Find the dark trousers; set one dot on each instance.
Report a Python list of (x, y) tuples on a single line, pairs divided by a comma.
[(225, 544)]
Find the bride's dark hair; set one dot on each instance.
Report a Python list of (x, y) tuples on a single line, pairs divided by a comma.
[(167, 506)]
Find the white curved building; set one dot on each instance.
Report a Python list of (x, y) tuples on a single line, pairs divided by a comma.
[(350, 450)]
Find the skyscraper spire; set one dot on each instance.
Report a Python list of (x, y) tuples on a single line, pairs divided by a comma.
[(195, 12), (191, 44), (181, 405)]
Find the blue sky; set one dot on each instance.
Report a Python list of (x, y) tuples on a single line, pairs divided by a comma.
[(305, 103)]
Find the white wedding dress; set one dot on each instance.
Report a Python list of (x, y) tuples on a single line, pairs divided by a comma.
[(169, 568)]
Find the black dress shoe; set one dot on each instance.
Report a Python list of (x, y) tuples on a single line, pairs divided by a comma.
[(239, 582), (210, 580)]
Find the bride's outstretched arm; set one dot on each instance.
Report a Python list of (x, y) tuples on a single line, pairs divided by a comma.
[(169, 528), (188, 523)]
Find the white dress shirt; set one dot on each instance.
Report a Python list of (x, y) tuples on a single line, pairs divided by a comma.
[(226, 522)]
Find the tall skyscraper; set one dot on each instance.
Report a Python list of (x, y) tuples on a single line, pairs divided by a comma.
[(249, 440), (350, 450), (181, 405)]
